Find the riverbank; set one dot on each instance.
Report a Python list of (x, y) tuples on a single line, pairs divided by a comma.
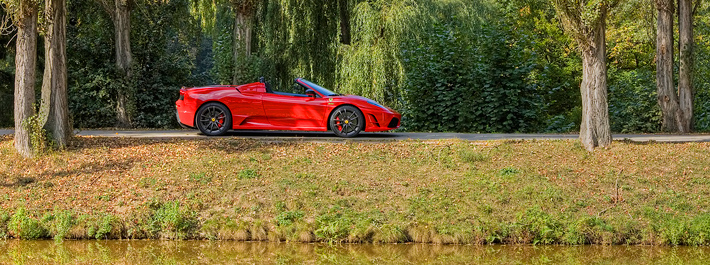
[(513, 192)]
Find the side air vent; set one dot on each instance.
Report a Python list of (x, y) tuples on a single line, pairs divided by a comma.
[(374, 120)]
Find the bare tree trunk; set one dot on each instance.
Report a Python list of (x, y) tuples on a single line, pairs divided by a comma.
[(242, 41), (25, 70), (685, 74), (595, 130), (124, 58), (344, 11), (54, 112), (667, 98)]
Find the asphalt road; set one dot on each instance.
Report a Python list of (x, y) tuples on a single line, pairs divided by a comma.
[(387, 136)]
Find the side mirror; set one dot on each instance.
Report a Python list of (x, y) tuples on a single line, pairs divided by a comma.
[(310, 93)]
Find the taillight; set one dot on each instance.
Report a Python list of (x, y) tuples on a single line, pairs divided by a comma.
[(182, 93)]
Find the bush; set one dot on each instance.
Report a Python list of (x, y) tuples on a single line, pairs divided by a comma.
[(633, 105), (459, 84), (171, 221), (23, 226)]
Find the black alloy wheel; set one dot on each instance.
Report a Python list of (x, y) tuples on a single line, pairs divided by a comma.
[(214, 119), (347, 121)]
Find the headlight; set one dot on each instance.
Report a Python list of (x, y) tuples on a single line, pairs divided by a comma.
[(372, 102)]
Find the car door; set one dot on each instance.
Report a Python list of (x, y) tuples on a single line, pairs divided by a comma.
[(296, 111), (245, 105)]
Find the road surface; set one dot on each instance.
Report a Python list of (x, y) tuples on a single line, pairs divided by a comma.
[(327, 136)]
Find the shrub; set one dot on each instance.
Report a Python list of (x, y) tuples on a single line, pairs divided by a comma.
[(25, 227), (171, 221)]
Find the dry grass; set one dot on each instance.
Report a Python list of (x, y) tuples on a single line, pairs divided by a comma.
[(436, 191)]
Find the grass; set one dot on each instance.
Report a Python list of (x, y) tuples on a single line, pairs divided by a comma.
[(446, 192)]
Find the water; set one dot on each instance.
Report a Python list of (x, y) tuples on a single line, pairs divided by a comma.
[(229, 252)]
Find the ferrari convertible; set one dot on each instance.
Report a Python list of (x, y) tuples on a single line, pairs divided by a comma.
[(214, 110)]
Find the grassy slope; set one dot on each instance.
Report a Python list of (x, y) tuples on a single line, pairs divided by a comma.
[(441, 191)]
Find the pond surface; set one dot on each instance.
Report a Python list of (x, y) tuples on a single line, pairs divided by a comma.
[(229, 252)]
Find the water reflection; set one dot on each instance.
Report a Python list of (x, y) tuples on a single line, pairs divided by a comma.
[(227, 252)]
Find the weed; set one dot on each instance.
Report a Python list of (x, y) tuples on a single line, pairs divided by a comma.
[(169, 220), (104, 226), (247, 174), (63, 222), (201, 178), (287, 218), (25, 227), (4, 219), (39, 137), (508, 171)]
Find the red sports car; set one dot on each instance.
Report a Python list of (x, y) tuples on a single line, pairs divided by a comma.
[(216, 109)]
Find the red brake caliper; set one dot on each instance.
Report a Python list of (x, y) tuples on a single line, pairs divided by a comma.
[(220, 121)]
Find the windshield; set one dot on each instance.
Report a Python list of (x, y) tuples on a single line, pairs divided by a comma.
[(318, 88)]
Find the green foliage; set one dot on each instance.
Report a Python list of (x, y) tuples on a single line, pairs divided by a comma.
[(296, 39), (545, 228), (39, 139), (163, 40), (632, 101), (508, 171), (4, 219), (61, 223), (102, 226), (702, 68), (371, 66), (201, 178), (172, 221), (287, 218), (248, 174), (456, 82), (24, 226), (7, 79)]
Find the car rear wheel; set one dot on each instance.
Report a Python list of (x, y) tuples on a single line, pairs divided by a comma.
[(214, 119), (347, 121)]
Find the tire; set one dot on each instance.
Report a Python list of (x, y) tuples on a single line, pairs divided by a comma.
[(213, 119), (347, 121)]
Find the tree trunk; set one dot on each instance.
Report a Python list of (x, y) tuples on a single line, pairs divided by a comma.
[(54, 112), (594, 130), (667, 98), (124, 57), (344, 11), (25, 70), (242, 41), (685, 74)]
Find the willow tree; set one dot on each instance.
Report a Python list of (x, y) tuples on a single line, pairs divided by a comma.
[(120, 12), (298, 39), (54, 111), (371, 65), (585, 21), (24, 16)]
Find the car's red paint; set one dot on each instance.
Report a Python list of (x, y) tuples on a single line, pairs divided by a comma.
[(253, 108)]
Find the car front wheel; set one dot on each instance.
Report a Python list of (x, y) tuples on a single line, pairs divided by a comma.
[(214, 119), (347, 121)]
